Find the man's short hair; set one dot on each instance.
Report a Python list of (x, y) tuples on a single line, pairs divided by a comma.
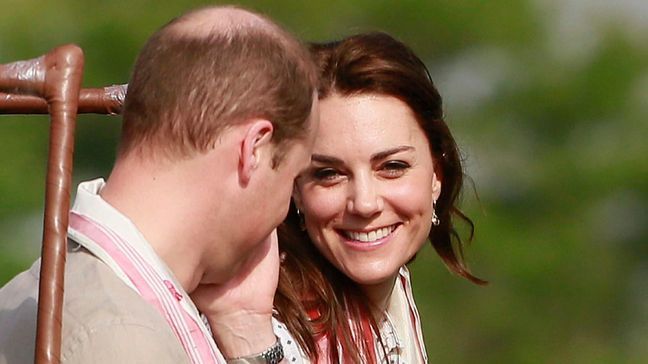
[(188, 86)]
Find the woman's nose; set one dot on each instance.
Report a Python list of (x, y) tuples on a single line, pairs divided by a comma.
[(364, 199)]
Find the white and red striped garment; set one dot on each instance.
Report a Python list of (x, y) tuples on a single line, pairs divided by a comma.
[(401, 332), (115, 240), (404, 345)]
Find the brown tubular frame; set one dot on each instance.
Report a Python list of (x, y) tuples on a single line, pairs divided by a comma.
[(106, 100), (52, 84)]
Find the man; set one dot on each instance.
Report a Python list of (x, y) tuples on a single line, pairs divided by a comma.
[(216, 126)]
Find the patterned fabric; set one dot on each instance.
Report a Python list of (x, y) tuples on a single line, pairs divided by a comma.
[(115, 240), (292, 351)]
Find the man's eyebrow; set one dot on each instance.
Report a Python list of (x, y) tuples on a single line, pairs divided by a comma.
[(384, 154)]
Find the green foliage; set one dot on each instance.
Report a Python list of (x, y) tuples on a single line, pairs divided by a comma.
[(553, 129)]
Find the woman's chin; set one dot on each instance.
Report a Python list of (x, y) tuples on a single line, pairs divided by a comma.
[(372, 277)]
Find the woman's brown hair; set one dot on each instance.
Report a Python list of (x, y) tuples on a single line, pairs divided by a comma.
[(313, 297)]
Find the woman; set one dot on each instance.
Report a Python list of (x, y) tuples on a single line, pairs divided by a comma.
[(384, 178)]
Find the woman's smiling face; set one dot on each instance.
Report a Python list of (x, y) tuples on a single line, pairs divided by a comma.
[(368, 193)]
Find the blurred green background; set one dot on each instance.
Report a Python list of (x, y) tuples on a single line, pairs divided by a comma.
[(548, 100)]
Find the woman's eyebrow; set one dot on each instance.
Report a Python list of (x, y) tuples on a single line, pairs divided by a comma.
[(386, 153), (325, 159)]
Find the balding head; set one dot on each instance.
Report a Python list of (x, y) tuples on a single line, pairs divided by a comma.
[(219, 19), (211, 68)]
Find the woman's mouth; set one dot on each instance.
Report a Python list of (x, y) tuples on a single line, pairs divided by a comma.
[(368, 238)]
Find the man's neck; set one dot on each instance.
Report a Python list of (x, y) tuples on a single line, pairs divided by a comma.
[(162, 216)]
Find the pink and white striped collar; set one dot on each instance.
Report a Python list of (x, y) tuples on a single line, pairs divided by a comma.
[(115, 240)]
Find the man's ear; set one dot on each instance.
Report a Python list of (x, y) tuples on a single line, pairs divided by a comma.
[(255, 146), (296, 197)]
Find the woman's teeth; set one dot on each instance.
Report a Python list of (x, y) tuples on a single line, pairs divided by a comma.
[(371, 235)]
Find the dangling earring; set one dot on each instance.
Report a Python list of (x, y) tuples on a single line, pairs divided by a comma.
[(435, 218), (302, 222)]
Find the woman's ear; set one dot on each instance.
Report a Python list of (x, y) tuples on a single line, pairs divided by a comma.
[(436, 187), (255, 146)]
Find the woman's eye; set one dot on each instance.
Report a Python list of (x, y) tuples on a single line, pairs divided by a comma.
[(394, 168), (325, 174)]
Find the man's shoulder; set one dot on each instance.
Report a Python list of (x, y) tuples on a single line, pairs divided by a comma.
[(107, 321), (20, 287), (101, 315), (18, 305), (93, 290), (96, 297)]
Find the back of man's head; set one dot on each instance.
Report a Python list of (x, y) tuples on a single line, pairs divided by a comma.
[(209, 69)]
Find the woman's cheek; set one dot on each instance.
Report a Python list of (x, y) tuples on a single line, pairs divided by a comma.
[(322, 204), (410, 195)]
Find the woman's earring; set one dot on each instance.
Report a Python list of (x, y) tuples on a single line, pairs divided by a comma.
[(302, 222), (435, 218)]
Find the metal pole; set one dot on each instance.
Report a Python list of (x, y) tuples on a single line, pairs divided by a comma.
[(56, 77)]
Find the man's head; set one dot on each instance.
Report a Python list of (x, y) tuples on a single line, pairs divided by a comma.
[(216, 126), (210, 69)]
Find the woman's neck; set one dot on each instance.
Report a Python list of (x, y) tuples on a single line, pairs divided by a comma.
[(379, 294)]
